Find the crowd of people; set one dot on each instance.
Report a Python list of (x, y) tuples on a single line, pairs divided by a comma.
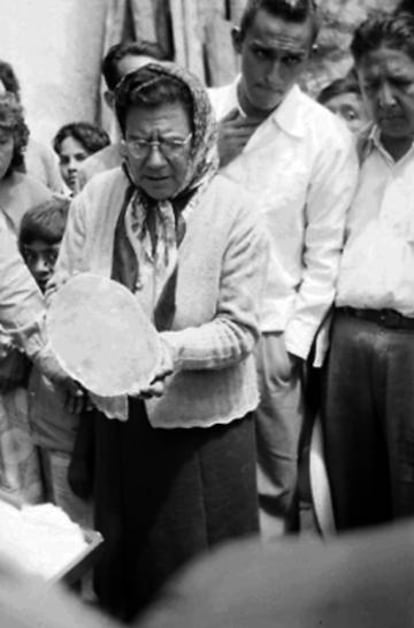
[(267, 235)]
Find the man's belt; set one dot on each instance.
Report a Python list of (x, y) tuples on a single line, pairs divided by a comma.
[(391, 319)]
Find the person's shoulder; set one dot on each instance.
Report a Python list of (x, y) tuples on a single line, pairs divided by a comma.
[(43, 150), (223, 98), (31, 186), (103, 184), (105, 159), (239, 202), (324, 125)]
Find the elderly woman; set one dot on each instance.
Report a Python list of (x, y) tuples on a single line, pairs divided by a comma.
[(179, 475)]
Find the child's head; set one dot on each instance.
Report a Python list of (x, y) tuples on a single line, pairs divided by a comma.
[(343, 97), (74, 143), (41, 232)]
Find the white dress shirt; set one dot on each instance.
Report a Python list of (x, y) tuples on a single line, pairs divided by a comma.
[(377, 267), (301, 166)]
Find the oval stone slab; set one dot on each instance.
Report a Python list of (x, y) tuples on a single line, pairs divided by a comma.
[(102, 337)]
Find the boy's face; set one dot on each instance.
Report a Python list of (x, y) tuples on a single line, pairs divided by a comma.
[(40, 258), (350, 107)]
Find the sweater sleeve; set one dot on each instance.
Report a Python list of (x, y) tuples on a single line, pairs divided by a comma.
[(21, 303), (233, 332)]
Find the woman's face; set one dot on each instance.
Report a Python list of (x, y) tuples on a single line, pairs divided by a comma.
[(157, 147), (71, 155), (6, 151)]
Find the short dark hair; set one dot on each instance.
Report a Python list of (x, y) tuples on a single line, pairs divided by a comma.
[(90, 136), (9, 79), (290, 10), (394, 30), (405, 6), (12, 121), (147, 88), (117, 52), (345, 85), (45, 222)]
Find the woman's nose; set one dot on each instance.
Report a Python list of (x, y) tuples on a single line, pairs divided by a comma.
[(73, 164), (155, 156)]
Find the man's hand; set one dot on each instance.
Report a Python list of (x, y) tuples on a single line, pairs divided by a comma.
[(234, 131)]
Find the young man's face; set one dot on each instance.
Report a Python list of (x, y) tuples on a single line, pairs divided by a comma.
[(273, 54), (40, 257), (387, 80), (351, 108)]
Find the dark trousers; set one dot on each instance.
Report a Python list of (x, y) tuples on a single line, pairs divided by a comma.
[(162, 497), (368, 421)]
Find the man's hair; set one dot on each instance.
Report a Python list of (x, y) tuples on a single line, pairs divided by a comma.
[(405, 6), (118, 52), (90, 137), (45, 222), (297, 11), (396, 31), (147, 88), (345, 85), (12, 121), (9, 79)]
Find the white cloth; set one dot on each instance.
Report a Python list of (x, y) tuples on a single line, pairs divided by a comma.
[(377, 267), (301, 166)]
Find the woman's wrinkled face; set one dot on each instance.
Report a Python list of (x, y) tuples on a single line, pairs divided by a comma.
[(157, 146), (6, 151)]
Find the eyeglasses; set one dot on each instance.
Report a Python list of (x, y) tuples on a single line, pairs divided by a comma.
[(169, 147)]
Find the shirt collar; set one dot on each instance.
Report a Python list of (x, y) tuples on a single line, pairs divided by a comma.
[(373, 141), (288, 115)]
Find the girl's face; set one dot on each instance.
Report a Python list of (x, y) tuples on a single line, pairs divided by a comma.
[(6, 151), (71, 155)]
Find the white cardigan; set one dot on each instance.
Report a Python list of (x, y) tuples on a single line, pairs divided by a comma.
[(222, 263)]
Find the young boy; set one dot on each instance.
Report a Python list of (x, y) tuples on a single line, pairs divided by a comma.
[(344, 98), (54, 427)]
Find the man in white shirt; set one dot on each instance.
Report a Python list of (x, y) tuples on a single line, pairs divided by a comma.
[(369, 403), (300, 164)]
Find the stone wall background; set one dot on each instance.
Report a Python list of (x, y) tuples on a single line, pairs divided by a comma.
[(56, 47)]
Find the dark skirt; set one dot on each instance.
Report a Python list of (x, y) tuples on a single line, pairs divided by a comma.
[(162, 497)]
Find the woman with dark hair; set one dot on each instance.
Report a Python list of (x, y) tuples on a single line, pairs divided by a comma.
[(74, 143), (19, 470), (40, 160), (18, 191), (178, 476)]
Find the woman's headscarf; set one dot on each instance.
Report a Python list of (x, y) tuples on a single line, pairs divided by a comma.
[(203, 157), (139, 212)]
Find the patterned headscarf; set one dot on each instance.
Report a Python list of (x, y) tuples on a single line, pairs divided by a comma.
[(203, 158), (164, 220)]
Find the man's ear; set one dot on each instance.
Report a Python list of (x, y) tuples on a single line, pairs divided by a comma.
[(109, 98), (237, 39)]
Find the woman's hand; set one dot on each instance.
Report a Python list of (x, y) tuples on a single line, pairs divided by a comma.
[(158, 383)]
